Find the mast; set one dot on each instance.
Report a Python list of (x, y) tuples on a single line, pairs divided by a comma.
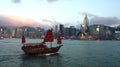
[(50, 44)]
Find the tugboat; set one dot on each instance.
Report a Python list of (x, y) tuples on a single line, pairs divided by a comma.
[(41, 48)]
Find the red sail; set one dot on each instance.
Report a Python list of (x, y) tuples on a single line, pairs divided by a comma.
[(59, 40), (23, 39), (49, 36)]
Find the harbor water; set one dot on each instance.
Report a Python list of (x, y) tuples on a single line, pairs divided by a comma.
[(73, 53)]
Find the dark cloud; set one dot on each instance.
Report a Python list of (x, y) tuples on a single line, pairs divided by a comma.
[(16, 1), (88, 14), (94, 19), (51, 22), (105, 20), (46, 20), (50, 1)]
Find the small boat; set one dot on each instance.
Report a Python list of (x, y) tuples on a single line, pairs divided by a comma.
[(41, 48)]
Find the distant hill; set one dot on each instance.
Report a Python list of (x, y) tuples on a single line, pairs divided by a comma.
[(6, 20)]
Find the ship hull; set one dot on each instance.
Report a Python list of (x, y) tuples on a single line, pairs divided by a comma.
[(39, 49)]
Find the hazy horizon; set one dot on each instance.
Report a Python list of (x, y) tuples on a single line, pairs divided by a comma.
[(67, 12)]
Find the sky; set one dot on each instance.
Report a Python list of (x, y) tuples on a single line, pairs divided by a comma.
[(67, 12)]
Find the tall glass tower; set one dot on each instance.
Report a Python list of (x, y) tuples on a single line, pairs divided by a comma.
[(85, 23)]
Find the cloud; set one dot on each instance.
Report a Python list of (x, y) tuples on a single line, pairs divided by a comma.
[(46, 20), (50, 1), (105, 20), (8, 20), (51, 22), (16, 1), (94, 19), (88, 14)]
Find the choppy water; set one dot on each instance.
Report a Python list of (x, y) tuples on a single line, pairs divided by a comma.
[(74, 53)]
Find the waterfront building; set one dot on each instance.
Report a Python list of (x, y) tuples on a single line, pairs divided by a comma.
[(85, 24), (39, 32), (29, 32), (72, 32), (101, 32), (84, 29), (117, 32), (1, 32), (117, 35), (4, 32), (67, 35), (61, 30), (56, 32), (12, 33), (18, 32)]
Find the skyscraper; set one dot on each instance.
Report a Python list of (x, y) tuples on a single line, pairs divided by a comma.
[(85, 24), (61, 29), (72, 31), (84, 28)]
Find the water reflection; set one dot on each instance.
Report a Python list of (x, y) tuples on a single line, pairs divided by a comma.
[(41, 61)]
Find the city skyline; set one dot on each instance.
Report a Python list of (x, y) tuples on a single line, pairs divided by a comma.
[(67, 12)]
